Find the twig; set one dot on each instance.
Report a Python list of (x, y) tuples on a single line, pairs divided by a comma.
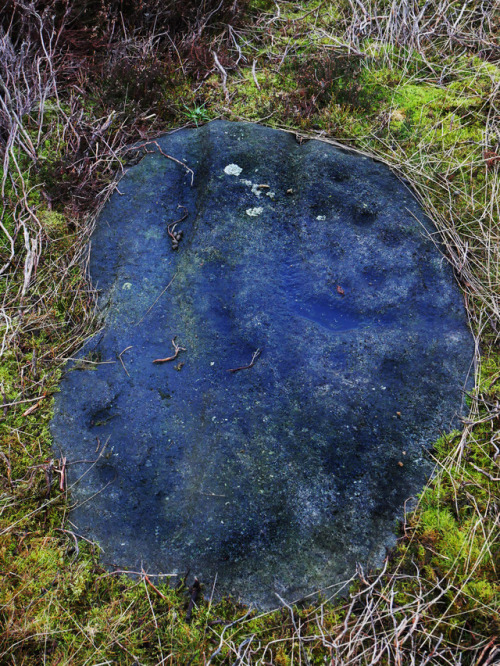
[(254, 74), (156, 301), (176, 235), (486, 474), (255, 356), (485, 650), (223, 74), (299, 18), (177, 351), (32, 409), (77, 548), (130, 572), (146, 578), (172, 225), (195, 591), (62, 472), (20, 402), (169, 157), (221, 636), (121, 360)]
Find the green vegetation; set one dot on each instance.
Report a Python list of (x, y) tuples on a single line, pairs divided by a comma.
[(415, 84)]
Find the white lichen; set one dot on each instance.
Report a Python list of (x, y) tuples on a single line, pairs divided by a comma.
[(233, 170), (253, 212)]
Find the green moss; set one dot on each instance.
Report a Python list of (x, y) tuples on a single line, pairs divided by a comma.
[(261, 5), (53, 221), (426, 113)]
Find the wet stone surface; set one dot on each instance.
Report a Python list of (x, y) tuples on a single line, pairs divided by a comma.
[(280, 477)]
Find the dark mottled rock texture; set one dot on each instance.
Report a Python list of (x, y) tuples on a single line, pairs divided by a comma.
[(278, 478)]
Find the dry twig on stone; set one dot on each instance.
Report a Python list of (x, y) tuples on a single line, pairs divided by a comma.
[(169, 157), (177, 350), (121, 360), (255, 356), (176, 235)]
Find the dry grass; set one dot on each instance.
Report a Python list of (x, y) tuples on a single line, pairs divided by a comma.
[(65, 128)]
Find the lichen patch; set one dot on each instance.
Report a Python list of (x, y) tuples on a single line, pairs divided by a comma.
[(233, 170), (254, 212)]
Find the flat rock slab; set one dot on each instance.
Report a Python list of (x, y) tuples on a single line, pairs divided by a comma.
[(280, 477)]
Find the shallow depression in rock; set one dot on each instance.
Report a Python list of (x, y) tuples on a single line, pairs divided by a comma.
[(279, 477)]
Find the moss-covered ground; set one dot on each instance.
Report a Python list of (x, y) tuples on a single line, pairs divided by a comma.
[(415, 84)]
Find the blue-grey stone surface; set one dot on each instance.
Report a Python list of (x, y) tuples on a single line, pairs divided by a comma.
[(280, 477)]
